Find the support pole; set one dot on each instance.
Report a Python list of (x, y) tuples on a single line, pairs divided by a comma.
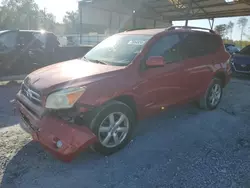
[(188, 11), (134, 20), (110, 23), (80, 12), (211, 24)]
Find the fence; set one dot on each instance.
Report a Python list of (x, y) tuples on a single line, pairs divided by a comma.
[(74, 40)]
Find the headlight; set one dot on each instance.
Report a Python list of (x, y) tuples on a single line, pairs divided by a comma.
[(64, 99)]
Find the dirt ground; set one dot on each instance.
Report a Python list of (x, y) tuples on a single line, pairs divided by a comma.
[(183, 147)]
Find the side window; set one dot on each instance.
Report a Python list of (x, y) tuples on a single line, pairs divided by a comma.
[(168, 47), (213, 43), (8, 40), (26, 39), (52, 41), (192, 45), (40, 39)]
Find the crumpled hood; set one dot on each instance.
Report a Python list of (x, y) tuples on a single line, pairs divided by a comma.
[(241, 59), (73, 72)]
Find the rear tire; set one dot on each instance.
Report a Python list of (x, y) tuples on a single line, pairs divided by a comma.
[(113, 125), (213, 95)]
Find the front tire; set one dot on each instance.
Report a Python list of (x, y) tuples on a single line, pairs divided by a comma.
[(113, 125), (213, 95)]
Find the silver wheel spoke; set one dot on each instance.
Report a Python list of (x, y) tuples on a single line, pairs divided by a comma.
[(104, 129), (116, 139), (111, 119), (213, 100), (107, 139), (121, 119), (113, 129), (122, 129), (216, 88)]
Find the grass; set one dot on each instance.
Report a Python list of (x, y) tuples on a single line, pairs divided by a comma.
[(10, 83)]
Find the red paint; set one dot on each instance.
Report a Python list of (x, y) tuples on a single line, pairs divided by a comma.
[(151, 89)]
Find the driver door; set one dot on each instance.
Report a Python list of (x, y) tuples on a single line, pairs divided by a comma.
[(160, 86)]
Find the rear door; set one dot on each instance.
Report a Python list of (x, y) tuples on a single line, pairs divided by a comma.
[(160, 86), (198, 57)]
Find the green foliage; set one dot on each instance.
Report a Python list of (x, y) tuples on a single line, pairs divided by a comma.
[(24, 14), (221, 29), (238, 43), (71, 21)]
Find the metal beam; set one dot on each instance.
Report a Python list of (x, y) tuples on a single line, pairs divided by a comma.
[(200, 7), (232, 13), (167, 4)]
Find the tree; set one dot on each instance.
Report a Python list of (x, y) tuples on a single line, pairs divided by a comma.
[(242, 23), (221, 30), (71, 21), (24, 14), (230, 28)]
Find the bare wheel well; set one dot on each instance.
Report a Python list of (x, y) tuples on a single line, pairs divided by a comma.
[(222, 77), (128, 100)]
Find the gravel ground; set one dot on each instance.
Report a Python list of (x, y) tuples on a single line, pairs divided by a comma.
[(184, 147)]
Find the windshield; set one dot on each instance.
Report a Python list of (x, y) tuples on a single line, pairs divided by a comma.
[(118, 50), (245, 51)]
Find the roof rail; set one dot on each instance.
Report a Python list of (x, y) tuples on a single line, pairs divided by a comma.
[(189, 27)]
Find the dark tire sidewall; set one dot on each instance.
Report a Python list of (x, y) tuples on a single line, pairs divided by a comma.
[(101, 114)]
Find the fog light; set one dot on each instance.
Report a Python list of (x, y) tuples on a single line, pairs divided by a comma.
[(59, 144)]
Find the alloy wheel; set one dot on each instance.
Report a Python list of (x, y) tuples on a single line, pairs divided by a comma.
[(113, 129)]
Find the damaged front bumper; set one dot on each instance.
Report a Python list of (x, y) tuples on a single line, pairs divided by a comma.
[(61, 138)]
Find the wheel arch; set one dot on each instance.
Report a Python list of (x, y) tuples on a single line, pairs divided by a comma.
[(222, 76), (128, 100)]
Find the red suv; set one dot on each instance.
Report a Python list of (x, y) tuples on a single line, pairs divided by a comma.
[(95, 101)]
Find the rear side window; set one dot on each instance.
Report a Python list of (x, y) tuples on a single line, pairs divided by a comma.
[(166, 47), (198, 44), (8, 40)]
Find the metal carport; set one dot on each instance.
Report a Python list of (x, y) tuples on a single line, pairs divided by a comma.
[(164, 11)]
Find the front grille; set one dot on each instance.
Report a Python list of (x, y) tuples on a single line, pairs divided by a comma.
[(32, 95), (27, 122), (239, 67)]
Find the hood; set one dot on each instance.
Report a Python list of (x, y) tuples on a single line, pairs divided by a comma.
[(74, 72), (241, 59)]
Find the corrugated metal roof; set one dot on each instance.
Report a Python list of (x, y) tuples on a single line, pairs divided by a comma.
[(175, 9)]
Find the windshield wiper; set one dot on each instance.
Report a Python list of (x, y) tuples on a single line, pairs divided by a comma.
[(98, 61), (85, 58), (94, 61)]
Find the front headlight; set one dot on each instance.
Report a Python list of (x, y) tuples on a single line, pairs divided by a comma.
[(65, 98)]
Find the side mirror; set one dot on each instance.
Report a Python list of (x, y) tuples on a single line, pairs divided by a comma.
[(155, 61)]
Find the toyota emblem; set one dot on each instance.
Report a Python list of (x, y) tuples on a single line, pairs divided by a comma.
[(243, 65)]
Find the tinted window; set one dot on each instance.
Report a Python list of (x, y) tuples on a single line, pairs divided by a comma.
[(199, 44), (40, 39), (52, 41), (168, 47), (25, 38), (8, 40)]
